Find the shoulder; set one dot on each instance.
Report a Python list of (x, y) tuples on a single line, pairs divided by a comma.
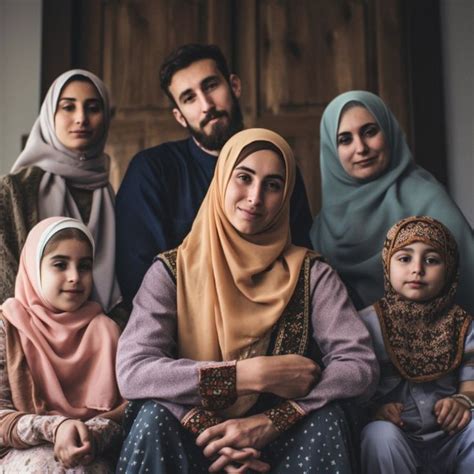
[(26, 176), (169, 259)]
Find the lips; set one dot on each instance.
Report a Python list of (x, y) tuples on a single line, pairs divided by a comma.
[(366, 161), (81, 133), (212, 115), (415, 284), (73, 292), (249, 215)]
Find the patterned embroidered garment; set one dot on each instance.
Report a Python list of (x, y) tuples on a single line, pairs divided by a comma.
[(424, 340), (38, 431)]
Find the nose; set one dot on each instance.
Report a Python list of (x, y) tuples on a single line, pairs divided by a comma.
[(361, 146), (73, 275), (417, 266), (205, 101), (80, 116), (254, 195)]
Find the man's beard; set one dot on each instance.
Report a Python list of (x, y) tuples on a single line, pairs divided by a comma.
[(221, 130)]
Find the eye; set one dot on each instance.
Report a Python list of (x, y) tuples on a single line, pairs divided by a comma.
[(85, 267), (344, 139), (211, 85), (244, 178), (371, 130), (274, 185), (433, 260), (60, 265), (94, 108), (68, 107), (404, 258), (188, 99)]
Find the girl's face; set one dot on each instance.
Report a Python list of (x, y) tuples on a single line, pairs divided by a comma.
[(417, 272), (66, 275), (79, 117), (254, 193), (361, 144)]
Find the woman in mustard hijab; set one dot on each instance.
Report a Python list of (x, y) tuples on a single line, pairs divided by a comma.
[(240, 343)]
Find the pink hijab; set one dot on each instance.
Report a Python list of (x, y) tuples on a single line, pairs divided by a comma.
[(71, 356)]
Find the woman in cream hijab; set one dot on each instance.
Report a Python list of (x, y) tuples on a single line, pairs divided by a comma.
[(240, 338), (63, 171)]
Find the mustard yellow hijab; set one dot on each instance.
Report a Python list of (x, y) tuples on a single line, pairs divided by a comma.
[(232, 288)]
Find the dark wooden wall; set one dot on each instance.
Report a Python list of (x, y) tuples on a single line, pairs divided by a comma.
[(293, 57)]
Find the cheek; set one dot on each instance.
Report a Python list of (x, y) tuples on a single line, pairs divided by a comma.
[(344, 154)]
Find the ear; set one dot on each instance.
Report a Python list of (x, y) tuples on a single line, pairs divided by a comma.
[(179, 117), (236, 85)]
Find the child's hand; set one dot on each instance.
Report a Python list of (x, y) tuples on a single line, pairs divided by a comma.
[(452, 414), (73, 445), (390, 412)]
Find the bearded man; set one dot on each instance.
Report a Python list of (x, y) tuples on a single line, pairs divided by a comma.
[(164, 186)]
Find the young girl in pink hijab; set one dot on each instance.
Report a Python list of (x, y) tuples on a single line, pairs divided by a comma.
[(60, 407)]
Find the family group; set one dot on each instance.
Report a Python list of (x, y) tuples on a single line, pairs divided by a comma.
[(202, 321)]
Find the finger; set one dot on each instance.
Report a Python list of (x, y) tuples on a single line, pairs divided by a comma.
[(451, 427), (220, 463), (239, 454), (215, 446), (257, 465), (84, 433), (444, 411), (209, 434), (464, 421), (437, 407)]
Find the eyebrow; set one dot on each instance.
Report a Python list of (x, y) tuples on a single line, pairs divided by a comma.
[(410, 250), (201, 84), (365, 125), (251, 171), (66, 257), (73, 99)]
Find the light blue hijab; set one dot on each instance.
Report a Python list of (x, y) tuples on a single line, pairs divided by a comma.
[(356, 215)]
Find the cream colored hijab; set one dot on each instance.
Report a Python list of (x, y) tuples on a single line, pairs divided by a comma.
[(86, 170), (233, 288)]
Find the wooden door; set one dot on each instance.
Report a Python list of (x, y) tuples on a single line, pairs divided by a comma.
[(293, 56)]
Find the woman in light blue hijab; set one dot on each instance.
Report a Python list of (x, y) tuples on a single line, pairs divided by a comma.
[(369, 182)]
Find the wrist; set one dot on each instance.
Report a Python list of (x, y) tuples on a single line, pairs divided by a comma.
[(55, 433), (249, 378), (464, 399)]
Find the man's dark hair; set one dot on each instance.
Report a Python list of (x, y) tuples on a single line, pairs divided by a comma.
[(184, 56)]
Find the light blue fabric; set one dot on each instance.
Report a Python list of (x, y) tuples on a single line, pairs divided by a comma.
[(356, 215)]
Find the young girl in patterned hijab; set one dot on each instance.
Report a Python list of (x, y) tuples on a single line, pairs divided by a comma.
[(425, 345)]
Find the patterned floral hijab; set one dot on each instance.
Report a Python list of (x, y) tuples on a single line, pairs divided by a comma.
[(408, 325)]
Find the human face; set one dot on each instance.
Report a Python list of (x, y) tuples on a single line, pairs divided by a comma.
[(79, 118), (207, 104), (254, 193), (66, 275), (417, 272), (361, 145)]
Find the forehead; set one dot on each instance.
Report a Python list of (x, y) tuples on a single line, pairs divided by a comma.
[(419, 247), (79, 90), (71, 247), (264, 162), (354, 118), (191, 77)]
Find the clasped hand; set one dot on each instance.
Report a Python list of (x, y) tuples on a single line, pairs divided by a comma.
[(451, 414), (74, 444)]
